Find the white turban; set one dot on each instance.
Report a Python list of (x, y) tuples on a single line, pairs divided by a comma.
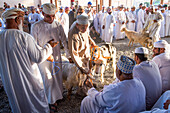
[(82, 19), (161, 44), (12, 13), (49, 9), (162, 9), (141, 50)]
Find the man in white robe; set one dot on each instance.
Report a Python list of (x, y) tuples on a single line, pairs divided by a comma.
[(96, 20), (162, 30), (114, 13), (33, 17), (65, 21), (147, 13), (121, 20), (126, 96), (141, 21), (162, 59), (137, 10), (103, 24), (148, 73), (19, 55), (89, 12), (100, 16), (109, 26), (153, 24), (60, 12), (79, 43), (51, 72), (132, 19), (167, 29), (162, 105)]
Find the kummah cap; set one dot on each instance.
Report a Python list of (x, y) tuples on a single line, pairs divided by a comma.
[(141, 50), (161, 44), (144, 5), (12, 13), (126, 64), (49, 8), (108, 9), (132, 7), (82, 19)]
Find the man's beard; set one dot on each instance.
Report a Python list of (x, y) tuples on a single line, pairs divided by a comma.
[(20, 26)]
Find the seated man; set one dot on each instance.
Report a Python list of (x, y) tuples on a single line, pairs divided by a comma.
[(161, 106), (127, 96), (148, 73), (162, 59)]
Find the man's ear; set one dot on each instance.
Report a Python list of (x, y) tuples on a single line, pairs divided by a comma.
[(17, 20), (162, 50), (119, 73), (76, 24)]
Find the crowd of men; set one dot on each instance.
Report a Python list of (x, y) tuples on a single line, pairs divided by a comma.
[(28, 62)]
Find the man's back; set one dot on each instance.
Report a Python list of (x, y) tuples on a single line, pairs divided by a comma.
[(18, 53), (148, 73), (127, 96), (163, 62)]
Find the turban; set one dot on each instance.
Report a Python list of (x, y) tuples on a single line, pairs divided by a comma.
[(141, 50), (82, 19), (89, 3), (162, 9), (161, 44), (121, 6), (126, 64), (12, 13), (49, 9)]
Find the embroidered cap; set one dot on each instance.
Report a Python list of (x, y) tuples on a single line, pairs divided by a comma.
[(82, 19), (49, 9), (126, 64), (141, 50)]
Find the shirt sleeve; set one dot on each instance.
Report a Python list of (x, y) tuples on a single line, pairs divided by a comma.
[(160, 18), (31, 20), (104, 98), (36, 53)]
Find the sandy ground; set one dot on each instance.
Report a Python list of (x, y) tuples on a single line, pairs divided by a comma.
[(73, 105)]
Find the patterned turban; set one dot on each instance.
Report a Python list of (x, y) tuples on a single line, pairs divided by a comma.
[(126, 64), (12, 13)]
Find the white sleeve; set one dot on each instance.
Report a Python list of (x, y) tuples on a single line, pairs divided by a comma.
[(36, 53), (30, 19)]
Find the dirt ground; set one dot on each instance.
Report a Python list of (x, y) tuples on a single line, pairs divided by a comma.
[(73, 105)]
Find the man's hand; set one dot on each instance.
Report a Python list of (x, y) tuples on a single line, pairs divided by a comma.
[(166, 104), (133, 21), (53, 44), (155, 20), (88, 83), (70, 60), (50, 58), (103, 27)]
